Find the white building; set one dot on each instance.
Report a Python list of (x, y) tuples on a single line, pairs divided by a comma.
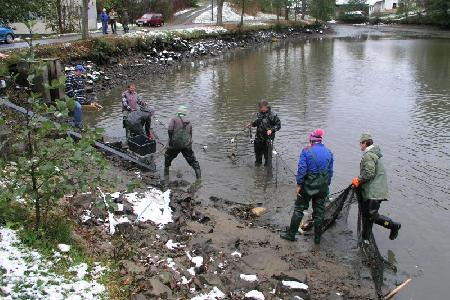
[(382, 6), (69, 7)]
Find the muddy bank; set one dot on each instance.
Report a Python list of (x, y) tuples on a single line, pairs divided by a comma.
[(216, 249)]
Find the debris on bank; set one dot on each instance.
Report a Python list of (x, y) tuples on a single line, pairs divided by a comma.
[(25, 274)]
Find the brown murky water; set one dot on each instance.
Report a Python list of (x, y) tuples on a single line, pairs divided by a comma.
[(397, 88)]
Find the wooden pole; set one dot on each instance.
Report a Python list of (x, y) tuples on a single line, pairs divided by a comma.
[(397, 289)]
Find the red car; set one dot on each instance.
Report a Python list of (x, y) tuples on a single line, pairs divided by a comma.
[(150, 19)]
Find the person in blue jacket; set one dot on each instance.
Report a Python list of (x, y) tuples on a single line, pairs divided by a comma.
[(315, 170), (104, 17)]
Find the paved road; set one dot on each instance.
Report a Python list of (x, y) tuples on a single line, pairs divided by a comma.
[(180, 22)]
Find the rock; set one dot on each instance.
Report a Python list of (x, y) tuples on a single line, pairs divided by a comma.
[(140, 297), (130, 267), (293, 275), (258, 211), (124, 228), (165, 277), (159, 289)]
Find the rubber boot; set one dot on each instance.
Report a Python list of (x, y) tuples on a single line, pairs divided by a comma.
[(288, 236), (317, 232), (198, 173), (366, 229), (389, 224), (166, 172)]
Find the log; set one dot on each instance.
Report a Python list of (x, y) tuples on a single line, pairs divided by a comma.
[(397, 289)]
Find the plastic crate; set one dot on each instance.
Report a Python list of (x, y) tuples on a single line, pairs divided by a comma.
[(141, 145)]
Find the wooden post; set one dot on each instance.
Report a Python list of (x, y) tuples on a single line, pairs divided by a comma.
[(397, 289)]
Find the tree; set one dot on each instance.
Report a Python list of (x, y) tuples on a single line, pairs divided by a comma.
[(22, 10), (45, 163), (219, 12), (322, 9), (242, 14), (84, 20)]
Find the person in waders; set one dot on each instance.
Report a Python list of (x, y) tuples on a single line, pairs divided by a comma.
[(315, 170), (372, 189), (266, 123), (139, 123), (75, 88), (180, 141), (131, 101)]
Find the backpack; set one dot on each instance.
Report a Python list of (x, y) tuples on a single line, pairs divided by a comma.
[(316, 183), (181, 138)]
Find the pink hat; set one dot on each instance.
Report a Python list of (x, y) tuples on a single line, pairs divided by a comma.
[(316, 136)]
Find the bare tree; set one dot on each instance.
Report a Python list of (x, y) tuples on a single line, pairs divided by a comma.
[(242, 14), (85, 21), (219, 12)]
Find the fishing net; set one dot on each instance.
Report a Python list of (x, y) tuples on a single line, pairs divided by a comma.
[(339, 209)]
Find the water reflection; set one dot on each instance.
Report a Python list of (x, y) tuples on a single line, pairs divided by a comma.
[(399, 90)]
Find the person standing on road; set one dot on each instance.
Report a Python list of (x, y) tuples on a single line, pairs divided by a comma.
[(266, 123), (372, 189), (113, 20), (125, 21), (180, 141), (75, 88), (104, 18), (315, 170)]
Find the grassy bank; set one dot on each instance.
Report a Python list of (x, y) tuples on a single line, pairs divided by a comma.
[(98, 49)]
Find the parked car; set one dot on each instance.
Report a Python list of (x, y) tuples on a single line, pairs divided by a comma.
[(150, 19), (6, 33)]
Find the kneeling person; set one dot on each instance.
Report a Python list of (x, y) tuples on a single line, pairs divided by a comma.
[(315, 170), (180, 141)]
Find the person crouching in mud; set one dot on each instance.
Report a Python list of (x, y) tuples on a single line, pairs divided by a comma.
[(315, 170), (372, 189), (266, 123), (180, 141)]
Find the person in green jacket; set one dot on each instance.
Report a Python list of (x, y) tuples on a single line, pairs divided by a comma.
[(372, 187)]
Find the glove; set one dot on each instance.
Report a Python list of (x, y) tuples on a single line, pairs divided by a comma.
[(356, 182)]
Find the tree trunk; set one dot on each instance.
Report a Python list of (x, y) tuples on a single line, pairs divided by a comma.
[(60, 17), (219, 12), (286, 10), (85, 21), (303, 9), (242, 14)]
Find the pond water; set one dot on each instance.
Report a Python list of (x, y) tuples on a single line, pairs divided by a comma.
[(398, 88)]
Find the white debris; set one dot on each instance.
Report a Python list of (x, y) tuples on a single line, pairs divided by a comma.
[(250, 278), (213, 295), (294, 285), (27, 275), (191, 271), (298, 297), (254, 294), (64, 248), (184, 280), (152, 205), (198, 261), (171, 245), (237, 254)]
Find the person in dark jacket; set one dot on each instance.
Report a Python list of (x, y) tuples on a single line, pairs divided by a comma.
[(372, 188), (75, 88), (266, 123), (137, 121), (104, 17), (315, 170), (180, 141)]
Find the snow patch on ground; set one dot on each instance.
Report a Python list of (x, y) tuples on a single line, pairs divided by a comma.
[(228, 15), (294, 285), (181, 12), (254, 294), (28, 276), (250, 278), (145, 33), (213, 295)]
